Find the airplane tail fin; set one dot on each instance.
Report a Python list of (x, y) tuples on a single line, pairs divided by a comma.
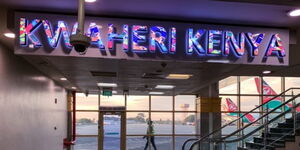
[(231, 106), (266, 89)]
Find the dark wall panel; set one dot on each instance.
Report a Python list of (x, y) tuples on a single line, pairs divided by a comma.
[(29, 115)]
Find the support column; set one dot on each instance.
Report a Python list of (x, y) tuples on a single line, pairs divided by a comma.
[(210, 112), (69, 127)]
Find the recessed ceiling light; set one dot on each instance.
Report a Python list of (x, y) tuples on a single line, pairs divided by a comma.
[(267, 72), (107, 84), (164, 86), (10, 35), (90, 1), (156, 93), (179, 76), (63, 79), (74, 88), (218, 61), (294, 13)]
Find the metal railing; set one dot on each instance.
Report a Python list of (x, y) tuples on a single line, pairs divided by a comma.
[(265, 125)]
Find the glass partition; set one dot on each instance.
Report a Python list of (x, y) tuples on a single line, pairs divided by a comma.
[(173, 117), (240, 94)]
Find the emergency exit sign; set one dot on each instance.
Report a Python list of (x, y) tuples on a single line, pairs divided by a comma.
[(107, 93)]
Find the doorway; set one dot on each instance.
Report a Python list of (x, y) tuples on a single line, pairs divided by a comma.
[(112, 128)]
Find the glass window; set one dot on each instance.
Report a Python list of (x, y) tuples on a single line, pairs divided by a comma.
[(249, 85), (138, 102), (185, 123), (292, 82), (228, 85), (249, 102), (162, 123), (290, 104), (135, 142), (87, 123), (179, 140), (233, 145), (86, 103), (227, 118), (229, 103), (252, 127), (163, 142), (137, 122), (115, 100), (185, 103), (86, 143), (112, 132), (274, 83), (162, 103), (139, 143)]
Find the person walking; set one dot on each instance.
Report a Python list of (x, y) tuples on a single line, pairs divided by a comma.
[(150, 136)]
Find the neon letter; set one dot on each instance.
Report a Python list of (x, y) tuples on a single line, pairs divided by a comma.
[(275, 47), (255, 41), (238, 46), (26, 32), (214, 42), (95, 34), (75, 27), (193, 42), (172, 40), (112, 36), (61, 28), (137, 38), (158, 36)]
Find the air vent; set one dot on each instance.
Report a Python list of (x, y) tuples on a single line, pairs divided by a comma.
[(153, 76), (103, 74)]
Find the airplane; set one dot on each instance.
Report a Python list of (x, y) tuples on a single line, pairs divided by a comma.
[(267, 90), (232, 109)]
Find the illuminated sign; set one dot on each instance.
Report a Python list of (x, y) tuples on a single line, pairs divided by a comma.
[(148, 40)]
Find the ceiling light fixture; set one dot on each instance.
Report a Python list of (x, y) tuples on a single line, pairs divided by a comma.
[(90, 1), (107, 84), (156, 93), (179, 76), (267, 72), (10, 35), (294, 13), (74, 88), (63, 79), (167, 87), (218, 61)]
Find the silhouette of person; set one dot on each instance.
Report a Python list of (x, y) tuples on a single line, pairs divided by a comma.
[(150, 137)]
